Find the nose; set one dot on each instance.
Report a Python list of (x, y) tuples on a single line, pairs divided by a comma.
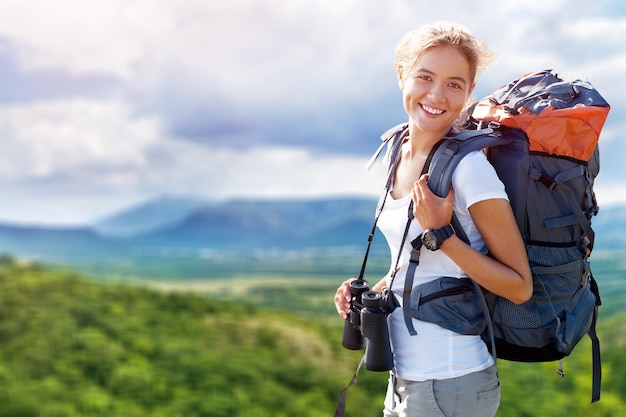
[(436, 92)]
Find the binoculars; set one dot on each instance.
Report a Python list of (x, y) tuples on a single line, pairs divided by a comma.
[(366, 325)]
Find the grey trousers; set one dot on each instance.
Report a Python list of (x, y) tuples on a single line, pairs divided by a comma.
[(472, 395)]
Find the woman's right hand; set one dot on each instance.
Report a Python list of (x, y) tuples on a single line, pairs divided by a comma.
[(343, 297)]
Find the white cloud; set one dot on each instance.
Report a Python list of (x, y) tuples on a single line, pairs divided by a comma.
[(189, 169), (79, 37), (60, 137), (104, 143), (88, 158), (304, 65)]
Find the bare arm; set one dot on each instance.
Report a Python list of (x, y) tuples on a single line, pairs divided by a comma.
[(506, 271)]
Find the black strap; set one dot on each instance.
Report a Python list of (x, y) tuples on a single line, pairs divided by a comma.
[(596, 360), (396, 144), (410, 273), (483, 304), (408, 284), (341, 405), (595, 344)]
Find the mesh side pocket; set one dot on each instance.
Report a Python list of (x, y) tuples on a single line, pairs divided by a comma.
[(557, 275)]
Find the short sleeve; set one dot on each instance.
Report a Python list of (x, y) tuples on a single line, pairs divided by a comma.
[(476, 180)]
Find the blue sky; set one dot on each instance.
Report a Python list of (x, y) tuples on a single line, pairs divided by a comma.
[(105, 104)]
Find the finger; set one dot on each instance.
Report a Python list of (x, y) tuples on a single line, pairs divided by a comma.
[(417, 191), (342, 299), (422, 185), (341, 308)]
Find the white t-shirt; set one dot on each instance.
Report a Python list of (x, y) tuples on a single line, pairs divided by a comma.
[(435, 352)]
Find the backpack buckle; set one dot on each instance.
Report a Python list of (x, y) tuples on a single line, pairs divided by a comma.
[(547, 181)]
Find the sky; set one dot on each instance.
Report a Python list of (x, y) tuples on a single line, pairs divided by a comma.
[(106, 104)]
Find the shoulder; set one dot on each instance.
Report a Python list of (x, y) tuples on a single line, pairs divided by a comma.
[(475, 165), (476, 180)]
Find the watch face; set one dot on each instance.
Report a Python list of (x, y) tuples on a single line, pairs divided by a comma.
[(429, 240)]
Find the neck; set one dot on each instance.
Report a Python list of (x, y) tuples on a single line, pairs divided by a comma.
[(422, 142)]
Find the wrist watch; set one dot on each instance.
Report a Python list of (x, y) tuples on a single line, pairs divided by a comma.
[(434, 238)]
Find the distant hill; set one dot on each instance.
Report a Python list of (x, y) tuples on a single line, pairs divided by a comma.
[(235, 226), (191, 224), (291, 224), (57, 243), (149, 216)]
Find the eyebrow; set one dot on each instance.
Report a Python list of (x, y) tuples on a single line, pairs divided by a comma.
[(456, 78)]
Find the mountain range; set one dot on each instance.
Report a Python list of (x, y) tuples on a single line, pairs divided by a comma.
[(173, 223)]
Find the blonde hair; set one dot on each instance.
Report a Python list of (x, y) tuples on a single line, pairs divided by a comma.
[(414, 44)]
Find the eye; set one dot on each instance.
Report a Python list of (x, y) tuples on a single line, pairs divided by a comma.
[(455, 85), (423, 77)]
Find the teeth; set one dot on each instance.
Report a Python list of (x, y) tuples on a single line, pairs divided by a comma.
[(431, 110)]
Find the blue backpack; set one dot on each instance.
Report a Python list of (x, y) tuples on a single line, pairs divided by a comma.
[(540, 134)]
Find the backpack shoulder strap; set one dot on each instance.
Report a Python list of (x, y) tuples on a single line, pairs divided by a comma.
[(390, 136), (450, 153), (454, 149)]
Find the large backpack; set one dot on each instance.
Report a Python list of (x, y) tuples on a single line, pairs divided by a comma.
[(540, 134)]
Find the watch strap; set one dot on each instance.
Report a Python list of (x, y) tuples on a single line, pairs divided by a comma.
[(443, 233)]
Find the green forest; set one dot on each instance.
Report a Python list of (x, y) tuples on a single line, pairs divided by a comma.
[(72, 345)]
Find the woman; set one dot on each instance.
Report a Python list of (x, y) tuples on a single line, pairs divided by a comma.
[(438, 372)]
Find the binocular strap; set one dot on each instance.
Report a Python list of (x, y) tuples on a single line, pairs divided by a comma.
[(341, 405)]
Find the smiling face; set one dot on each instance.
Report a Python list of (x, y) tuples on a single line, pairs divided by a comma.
[(435, 90)]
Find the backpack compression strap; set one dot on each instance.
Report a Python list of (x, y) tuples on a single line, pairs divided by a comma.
[(595, 345)]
